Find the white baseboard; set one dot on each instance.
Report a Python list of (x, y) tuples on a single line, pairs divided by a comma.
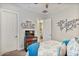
[(20, 48)]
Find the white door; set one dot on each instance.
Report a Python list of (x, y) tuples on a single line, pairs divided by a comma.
[(47, 29), (9, 30)]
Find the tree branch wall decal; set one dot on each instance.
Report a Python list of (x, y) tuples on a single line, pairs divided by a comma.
[(68, 25)]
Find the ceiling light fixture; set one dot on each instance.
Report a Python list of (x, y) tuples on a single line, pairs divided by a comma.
[(44, 11)]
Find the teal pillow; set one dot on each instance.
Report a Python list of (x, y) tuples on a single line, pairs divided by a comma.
[(66, 41), (33, 49)]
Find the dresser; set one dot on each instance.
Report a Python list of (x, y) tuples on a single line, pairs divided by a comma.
[(29, 39)]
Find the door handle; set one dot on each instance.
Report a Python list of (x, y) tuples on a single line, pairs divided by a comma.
[(16, 36)]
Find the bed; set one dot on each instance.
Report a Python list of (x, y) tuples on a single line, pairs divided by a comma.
[(52, 48), (47, 48)]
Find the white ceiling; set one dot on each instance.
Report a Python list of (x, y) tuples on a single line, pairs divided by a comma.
[(38, 8)]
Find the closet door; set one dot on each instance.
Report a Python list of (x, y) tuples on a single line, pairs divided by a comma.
[(9, 28)]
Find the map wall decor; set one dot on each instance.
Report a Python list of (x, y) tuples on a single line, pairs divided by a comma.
[(68, 25), (28, 25)]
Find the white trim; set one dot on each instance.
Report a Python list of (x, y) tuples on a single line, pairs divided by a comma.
[(20, 49), (0, 31)]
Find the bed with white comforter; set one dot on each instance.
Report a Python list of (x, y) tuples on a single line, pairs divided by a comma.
[(51, 48)]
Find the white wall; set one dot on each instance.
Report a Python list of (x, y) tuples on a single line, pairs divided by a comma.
[(71, 12), (0, 30), (23, 16)]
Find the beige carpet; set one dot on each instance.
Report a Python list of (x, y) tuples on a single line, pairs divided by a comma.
[(15, 53)]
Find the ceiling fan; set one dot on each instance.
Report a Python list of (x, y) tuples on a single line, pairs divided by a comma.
[(46, 7)]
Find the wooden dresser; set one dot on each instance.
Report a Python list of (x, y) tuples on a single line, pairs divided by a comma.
[(29, 39)]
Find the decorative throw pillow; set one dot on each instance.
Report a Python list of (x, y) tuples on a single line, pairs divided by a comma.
[(73, 48), (33, 49)]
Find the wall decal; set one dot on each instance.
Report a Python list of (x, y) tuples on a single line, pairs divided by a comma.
[(68, 25), (28, 25)]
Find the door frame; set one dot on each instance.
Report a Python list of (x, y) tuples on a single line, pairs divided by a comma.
[(17, 14)]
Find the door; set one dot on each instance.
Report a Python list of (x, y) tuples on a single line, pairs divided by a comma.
[(47, 29), (9, 29)]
